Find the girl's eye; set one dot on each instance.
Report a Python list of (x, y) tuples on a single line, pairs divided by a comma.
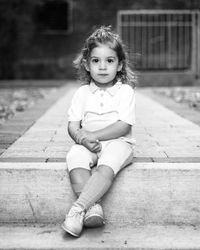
[(110, 60), (95, 60)]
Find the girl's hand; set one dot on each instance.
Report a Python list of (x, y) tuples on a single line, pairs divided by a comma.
[(93, 145), (84, 134)]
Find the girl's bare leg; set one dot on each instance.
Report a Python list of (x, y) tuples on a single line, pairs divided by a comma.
[(97, 185), (78, 178)]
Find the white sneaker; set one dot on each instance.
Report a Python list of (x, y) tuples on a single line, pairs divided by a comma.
[(73, 223), (94, 216)]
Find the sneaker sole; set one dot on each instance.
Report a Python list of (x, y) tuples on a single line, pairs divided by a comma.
[(94, 220), (68, 231)]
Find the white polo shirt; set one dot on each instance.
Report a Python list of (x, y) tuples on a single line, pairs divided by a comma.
[(98, 108)]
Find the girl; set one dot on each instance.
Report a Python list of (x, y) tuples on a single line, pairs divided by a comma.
[(101, 117)]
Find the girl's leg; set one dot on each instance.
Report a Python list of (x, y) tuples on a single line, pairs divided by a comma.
[(79, 159), (78, 179), (76, 159), (96, 187), (94, 217), (116, 154)]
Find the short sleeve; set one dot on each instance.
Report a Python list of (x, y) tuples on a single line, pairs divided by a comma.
[(75, 112), (127, 105)]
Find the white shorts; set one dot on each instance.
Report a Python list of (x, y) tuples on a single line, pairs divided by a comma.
[(116, 154)]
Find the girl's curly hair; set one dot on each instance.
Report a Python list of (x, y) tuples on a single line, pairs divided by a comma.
[(104, 35)]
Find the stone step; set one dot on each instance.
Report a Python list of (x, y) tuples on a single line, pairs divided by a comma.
[(142, 194), (154, 237)]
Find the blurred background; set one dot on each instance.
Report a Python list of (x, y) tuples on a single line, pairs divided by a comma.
[(39, 39)]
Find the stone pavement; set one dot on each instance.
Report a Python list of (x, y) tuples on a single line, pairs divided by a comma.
[(153, 204), (162, 135), (22, 121)]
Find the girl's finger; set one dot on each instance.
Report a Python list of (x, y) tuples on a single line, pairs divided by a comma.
[(97, 148)]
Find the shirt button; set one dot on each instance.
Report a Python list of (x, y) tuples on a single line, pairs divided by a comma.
[(101, 104), (101, 94)]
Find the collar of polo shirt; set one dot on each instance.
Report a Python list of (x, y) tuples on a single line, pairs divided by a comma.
[(111, 90)]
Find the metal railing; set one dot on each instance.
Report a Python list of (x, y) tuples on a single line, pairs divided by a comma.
[(161, 40)]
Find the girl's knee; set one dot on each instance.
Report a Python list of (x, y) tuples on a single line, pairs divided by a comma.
[(79, 157), (76, 152), (106, 171)]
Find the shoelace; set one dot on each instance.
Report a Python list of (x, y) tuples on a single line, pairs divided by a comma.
[(79, 214)]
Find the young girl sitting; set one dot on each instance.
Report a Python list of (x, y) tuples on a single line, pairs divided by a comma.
[(101, 117)]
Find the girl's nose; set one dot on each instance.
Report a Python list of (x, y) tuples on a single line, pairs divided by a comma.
[(102, 65)]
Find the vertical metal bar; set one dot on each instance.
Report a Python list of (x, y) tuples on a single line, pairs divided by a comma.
[(143, 37), (135, 38), (159, 39), (194, 45), (140, 38), (183, 44), (119, 23), (126, 29), (163, 39), (187, 43), (169, 40), (178, 37), (153, 41), (198, 44), (166, 41), (149, 45), (184, 51), (146, 43), (158, 42), (132, 38), (129, 32), (197, 32), (164, 27), (157, 47)]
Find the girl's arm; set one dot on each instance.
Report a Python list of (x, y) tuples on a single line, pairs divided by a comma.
[(75, 132), (73, 129), (112, 131)]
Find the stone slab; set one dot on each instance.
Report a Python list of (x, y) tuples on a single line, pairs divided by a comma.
[(161, 193)]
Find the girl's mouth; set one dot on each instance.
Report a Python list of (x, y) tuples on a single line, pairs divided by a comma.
[(103, 74)]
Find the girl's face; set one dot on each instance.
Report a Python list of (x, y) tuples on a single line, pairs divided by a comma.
[(103, 65)]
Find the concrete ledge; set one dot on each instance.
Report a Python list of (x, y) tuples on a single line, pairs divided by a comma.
[(135, 159), (108, 237), (144, 193)]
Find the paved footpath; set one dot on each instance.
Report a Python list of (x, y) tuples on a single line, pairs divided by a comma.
[(162, 135), (153, 204)]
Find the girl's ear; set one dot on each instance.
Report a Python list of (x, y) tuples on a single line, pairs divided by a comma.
[(86, 65), (120, 66)]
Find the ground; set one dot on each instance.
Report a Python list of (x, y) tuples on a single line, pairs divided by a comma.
[(13, 100), (188, 95), (185, 101)]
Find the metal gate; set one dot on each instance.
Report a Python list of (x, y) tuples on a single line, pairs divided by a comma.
[(161, 40)]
